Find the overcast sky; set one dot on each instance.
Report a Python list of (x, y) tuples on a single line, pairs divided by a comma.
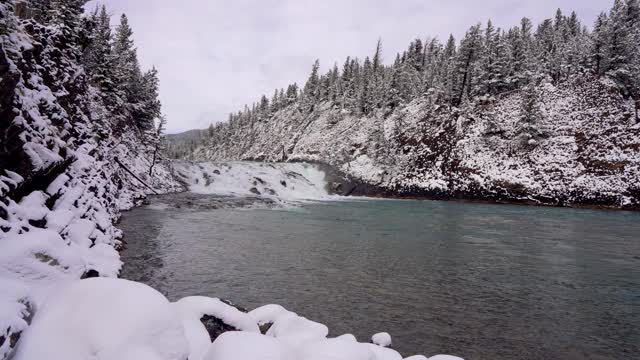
[(214, 56)]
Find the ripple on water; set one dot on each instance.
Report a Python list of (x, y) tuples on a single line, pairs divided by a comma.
[(480, 281)]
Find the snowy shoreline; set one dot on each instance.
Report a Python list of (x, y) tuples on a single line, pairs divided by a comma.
[(137, 322), (342, 183), (41, 267)]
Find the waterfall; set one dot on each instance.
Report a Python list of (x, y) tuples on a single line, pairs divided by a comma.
[(285, 181)]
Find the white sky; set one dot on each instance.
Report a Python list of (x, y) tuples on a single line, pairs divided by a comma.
[(214, 56)]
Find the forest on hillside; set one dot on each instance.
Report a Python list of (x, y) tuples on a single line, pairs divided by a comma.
[(486, 64)]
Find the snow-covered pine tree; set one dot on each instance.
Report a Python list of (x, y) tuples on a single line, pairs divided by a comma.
[(275, 102), (520, 41), (487, 61), (431, 70), (365, 92), (66, 17), (599, 54), (148, 104), (466, 62), (620, 46), (312, 87), (127, 69), (333, 92), (528, 128), (448, 75), (500, 69), (100, 63)]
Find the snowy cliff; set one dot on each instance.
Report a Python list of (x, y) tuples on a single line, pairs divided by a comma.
[(544, 114), (588, 153), (62, 185)]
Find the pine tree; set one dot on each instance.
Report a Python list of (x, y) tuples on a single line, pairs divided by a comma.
[(598, 50), (275, 102), (100, 62), (431, 72), (488, 60), (129, 77), (66, 16), (499, 70), (148, 105), (334, 84), (470, 50), (312, 87), (530, 117), (448, 74), (365, 92)]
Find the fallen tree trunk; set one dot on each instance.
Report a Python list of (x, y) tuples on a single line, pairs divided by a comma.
[(134, 175)]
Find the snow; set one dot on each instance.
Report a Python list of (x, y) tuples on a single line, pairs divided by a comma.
[(335, 349), (104, 319), (246, 346), (382, 339), (589, 151), (112, 319), (288, 325)]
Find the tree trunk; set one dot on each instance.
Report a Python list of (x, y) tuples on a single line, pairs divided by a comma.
[(153, 162)]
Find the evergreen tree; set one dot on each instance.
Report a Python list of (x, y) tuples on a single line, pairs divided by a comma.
[(448, 74), (66, 16), (128, 76), (488, 60), (470, 50), (99, 60), (312, 87), (530, 117)]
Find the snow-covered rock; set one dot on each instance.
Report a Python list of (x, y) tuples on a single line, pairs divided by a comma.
[(192, 309), (104, 319), (445, 357), (381, 339)]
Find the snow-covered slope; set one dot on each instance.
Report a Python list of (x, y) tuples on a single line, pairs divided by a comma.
[(588, 154), (61, 184)]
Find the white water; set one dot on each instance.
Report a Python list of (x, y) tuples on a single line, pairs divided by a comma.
[(279, 181)]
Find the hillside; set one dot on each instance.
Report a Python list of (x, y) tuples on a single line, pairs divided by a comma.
[(70, 141), (543, 116)]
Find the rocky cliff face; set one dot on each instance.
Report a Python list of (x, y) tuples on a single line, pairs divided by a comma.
[(61, 186), (586, 151)]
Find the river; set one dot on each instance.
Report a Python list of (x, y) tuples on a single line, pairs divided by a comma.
[(474, 280)]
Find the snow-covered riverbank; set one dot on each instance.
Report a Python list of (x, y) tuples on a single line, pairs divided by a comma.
[(105, 318), (136, 322)]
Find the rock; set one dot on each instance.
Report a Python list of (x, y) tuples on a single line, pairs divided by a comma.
[(38, 223), (265, 327), (215, 327), (283, 183), (217, 172), (255, 191), (91, 273)]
